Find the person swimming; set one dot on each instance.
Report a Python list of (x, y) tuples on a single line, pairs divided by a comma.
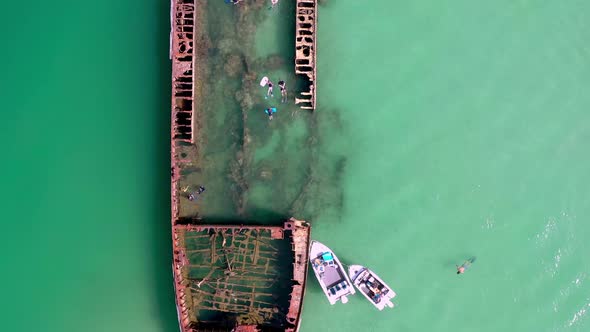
[(461, 269), (270, 112), (283, 88)]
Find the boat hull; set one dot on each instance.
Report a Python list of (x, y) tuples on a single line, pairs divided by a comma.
[(329, 272), (375, 290)]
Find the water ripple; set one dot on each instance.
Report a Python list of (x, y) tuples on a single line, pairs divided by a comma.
[(550, 228), (579, 314)]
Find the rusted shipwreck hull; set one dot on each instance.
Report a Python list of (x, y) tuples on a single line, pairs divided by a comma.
[(239, 278), (305, 50)]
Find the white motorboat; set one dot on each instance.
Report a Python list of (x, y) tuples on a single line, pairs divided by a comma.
[(372, 287), (330, 273)]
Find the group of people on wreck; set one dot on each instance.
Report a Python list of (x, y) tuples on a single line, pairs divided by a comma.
[(194, 195), (269, 93), (266, 82)]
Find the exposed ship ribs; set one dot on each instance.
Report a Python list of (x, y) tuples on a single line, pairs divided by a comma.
[(239, 270), (305, 50), (183, 14)]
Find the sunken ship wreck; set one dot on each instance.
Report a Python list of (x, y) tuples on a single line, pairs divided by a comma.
[(231, 277), (240, 278)]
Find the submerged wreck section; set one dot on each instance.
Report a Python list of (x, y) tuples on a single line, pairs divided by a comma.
[(240, 278), (305, 49)]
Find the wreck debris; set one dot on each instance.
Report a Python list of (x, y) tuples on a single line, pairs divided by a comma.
[(256, 280), (183, 15), (305, 49)]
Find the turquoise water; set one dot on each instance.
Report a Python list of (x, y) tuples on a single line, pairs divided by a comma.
[(466, 126), (444, 132), (85, 236)]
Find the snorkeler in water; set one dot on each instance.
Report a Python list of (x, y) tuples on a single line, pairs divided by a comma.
[(270, 112), (461, 269)]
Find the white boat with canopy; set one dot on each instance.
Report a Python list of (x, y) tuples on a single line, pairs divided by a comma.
[(330, 273)]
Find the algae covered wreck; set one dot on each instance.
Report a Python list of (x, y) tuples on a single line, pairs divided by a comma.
[(229, 275)]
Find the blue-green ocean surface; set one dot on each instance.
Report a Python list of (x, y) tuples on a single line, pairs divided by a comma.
[(445, 131), (85, 238), (466, 126)]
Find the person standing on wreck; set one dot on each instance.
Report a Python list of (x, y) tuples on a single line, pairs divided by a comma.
[(269, 92), (283, 91)]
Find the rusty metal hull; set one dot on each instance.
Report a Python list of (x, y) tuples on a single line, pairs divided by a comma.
[(305, 50), (223, 270), (213, 291)]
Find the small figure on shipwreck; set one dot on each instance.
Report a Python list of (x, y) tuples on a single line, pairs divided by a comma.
[(267, 82), (194, 195), (283, 87)]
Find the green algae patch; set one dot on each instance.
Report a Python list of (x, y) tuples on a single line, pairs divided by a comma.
[(251, 167)]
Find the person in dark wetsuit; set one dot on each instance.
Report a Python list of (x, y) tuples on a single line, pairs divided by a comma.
[(283, 88)]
